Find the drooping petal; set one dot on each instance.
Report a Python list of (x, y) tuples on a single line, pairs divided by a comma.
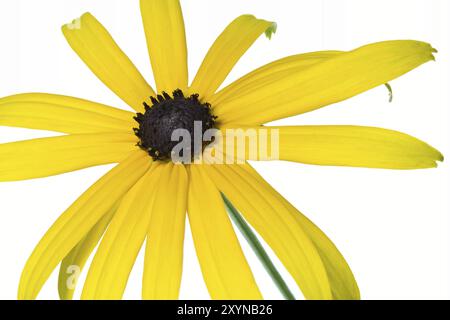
[(351, 146), (224, 267), (95, 46), (164, 250), (279, 68), (166, 41), (226, 51), (281, 95), (115, 257), (62, 114), (294, 245), (73, 225), (73, 263), (50, 156), (342, 281)]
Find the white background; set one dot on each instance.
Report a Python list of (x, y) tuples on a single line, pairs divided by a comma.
[(392, 226)]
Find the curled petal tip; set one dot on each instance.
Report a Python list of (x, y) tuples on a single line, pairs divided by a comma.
[(271, 30)]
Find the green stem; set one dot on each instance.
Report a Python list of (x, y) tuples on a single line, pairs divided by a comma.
[(258, 249)]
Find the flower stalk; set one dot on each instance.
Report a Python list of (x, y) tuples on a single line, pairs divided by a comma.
[(258, 249)]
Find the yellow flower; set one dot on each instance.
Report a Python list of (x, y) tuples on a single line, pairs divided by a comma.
[(146, 196)]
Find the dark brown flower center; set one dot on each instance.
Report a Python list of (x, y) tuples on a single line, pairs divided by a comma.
[(168, 114)]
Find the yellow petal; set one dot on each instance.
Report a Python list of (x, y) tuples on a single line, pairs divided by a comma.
[(224, 267), (356, 146), (342, 282), (281, 95), (164, 250), (277, 227), (279, 68), (62, 114), (73, 225), (115, 257), (226, 51), (166, 41), (95, 46), (50, 156), (351, 146), (74, 262)]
